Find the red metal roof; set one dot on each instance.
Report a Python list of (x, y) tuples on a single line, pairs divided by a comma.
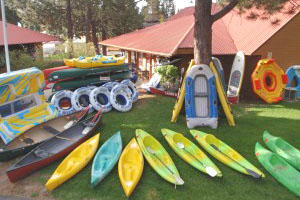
[(18, 35), (231, 33)]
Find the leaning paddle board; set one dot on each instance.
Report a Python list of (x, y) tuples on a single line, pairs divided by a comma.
[(181, 95), (222, 96), (281, 170), (236, 77), (220, 70)]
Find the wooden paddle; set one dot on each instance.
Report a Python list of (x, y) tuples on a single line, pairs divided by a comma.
[(77, 117)]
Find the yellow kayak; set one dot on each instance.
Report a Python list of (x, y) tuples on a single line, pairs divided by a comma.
[(190, 153), (74, 162), (158, 157), (100, 61), (226, 154), (180, 97), (222, 96), (130, 167)]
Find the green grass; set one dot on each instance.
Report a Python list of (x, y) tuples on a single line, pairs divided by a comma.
[(152, 114)]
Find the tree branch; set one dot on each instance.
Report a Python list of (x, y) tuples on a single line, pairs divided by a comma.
[(225, 10)]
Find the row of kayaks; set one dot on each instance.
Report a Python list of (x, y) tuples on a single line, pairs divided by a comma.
[(131, 159)]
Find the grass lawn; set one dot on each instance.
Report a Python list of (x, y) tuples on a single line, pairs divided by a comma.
[(154, 113)]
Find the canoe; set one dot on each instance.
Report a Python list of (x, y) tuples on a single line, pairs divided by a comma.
[(222, 96), (74, 162), (78, 72), (99, 61), (130, 167), (181, 95), (236, 77), (158, 157), (37, 135), (73, 84), (281, 170), (47, 73), (53, 149), (162, 92), (106, 158), (226, 154), (283, 149), (190, 153)]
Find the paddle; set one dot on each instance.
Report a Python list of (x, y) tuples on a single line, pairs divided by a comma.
[(209, 170), (91, 124), (77, 117), (177, 178), (251, 172)]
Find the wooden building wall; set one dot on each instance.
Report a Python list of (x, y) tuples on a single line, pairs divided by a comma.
[(284, 45)]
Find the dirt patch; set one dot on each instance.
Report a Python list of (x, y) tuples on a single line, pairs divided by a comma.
[(29, 187)]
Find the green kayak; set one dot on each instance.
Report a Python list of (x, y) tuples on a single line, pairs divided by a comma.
[(94, 80), (80, 72), (281, 170), (283, 148)]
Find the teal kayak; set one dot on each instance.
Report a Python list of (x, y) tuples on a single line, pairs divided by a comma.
[(283, 148), (281, 170), (88, 81), (106, 158), (80, 72)]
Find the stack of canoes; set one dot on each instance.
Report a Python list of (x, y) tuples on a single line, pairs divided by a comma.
[(282, 162), (131, 159), (73, 78)]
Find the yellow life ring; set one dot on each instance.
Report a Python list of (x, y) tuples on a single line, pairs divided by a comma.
[(268, 80)]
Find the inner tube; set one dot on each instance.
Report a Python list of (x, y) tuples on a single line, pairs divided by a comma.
[(131, 86), (99, 98), (81, 99), (120, 99), (62, 100), (110, 85)]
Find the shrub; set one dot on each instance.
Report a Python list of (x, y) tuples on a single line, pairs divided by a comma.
[(169, 76)]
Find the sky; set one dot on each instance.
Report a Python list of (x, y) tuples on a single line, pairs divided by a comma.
[(179, 4)]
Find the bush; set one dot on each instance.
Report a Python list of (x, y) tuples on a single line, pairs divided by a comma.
[(169, 76), (19, 59)]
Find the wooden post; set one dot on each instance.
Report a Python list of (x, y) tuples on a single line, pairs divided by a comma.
[(150, 71), (129, 57), (137, 62)]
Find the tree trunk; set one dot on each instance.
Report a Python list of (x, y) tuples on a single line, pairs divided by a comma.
[(104, 37), (92, 24), (94, 36), (202, 32), (69, 29)]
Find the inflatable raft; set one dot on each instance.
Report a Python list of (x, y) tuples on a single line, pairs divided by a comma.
[(293, 73), (22, 103), (268, 80), (201, 97), (99, 61)]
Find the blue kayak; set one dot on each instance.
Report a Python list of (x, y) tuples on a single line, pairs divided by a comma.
[(106, 158)]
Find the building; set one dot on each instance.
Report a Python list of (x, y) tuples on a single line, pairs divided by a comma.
[(23, 38), (257, 35)]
